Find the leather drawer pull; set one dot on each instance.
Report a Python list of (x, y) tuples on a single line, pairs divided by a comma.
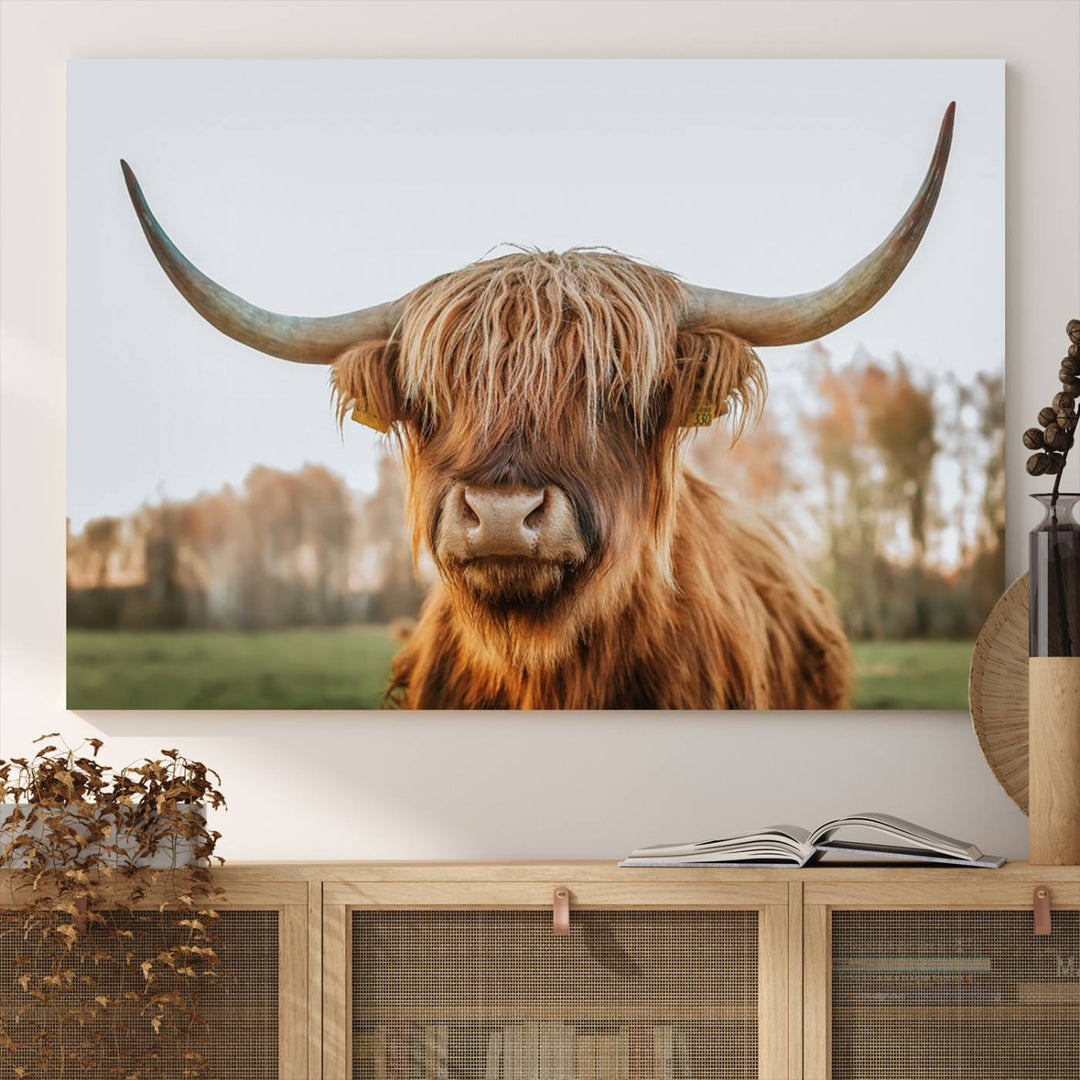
[(1040, 903), (560, 911)]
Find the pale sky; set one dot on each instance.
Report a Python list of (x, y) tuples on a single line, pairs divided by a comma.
[(316, 187)]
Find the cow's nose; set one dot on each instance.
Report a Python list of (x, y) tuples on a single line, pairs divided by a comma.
[(504, 521), (479, 522)]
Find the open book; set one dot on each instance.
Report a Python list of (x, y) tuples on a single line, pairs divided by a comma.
[(859, 838)]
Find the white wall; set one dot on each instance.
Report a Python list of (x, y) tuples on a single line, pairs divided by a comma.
[(333, 785)]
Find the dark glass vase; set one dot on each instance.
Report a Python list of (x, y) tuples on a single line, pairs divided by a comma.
[(1054, 548)]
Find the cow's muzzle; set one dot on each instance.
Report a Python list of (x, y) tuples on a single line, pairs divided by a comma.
[(481, 523)]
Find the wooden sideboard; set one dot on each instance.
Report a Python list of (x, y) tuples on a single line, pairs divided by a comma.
[(400, 969)]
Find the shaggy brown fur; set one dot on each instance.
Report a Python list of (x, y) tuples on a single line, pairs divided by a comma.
[(542, 369)]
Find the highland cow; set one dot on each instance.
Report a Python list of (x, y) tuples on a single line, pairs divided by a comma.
[(540, 401)]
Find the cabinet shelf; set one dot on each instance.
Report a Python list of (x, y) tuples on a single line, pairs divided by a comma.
[(567, 1014), (974, 1013)]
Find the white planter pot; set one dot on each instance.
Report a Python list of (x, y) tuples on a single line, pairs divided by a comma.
[(162, 858)]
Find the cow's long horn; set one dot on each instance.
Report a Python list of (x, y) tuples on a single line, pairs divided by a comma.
[(789, 320), (291, 337)]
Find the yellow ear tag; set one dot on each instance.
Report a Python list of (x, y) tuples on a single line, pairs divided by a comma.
[(703, 415), (361, 415), (706, 413)]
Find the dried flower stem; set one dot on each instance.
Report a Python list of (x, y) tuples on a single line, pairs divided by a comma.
[(1066, 637)]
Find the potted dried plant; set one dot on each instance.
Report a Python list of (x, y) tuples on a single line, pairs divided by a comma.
[(106, 914)]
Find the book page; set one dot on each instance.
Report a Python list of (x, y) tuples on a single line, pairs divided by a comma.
[(867, 829), (787, 836)]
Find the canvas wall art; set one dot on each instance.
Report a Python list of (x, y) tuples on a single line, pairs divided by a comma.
[(533, 385)]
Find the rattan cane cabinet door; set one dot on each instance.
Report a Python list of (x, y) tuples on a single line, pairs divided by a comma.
[(253, 1016), (492, 993), (946, 993)]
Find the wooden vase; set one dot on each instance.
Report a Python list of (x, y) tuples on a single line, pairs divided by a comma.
[(1054, 760)]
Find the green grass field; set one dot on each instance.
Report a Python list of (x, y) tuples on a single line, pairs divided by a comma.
[(304, 668), (346, 668), (912, 674)]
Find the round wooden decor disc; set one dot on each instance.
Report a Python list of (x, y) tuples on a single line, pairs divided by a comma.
[(998, 691)]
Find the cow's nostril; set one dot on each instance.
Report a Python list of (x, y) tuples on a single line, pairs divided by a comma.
[(535, 518), (468, 514)]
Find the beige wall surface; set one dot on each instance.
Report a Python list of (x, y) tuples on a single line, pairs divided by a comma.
[(337, 785)]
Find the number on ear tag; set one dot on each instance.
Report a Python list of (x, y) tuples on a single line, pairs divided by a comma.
[(361, 415), (703, 415), (706, 413)]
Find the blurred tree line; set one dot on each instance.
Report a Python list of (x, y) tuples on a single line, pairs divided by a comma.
[(889, 480), (289, 549)]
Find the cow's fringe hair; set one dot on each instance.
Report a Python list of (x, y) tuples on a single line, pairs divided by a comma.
[(530, 341), (541, 337)]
